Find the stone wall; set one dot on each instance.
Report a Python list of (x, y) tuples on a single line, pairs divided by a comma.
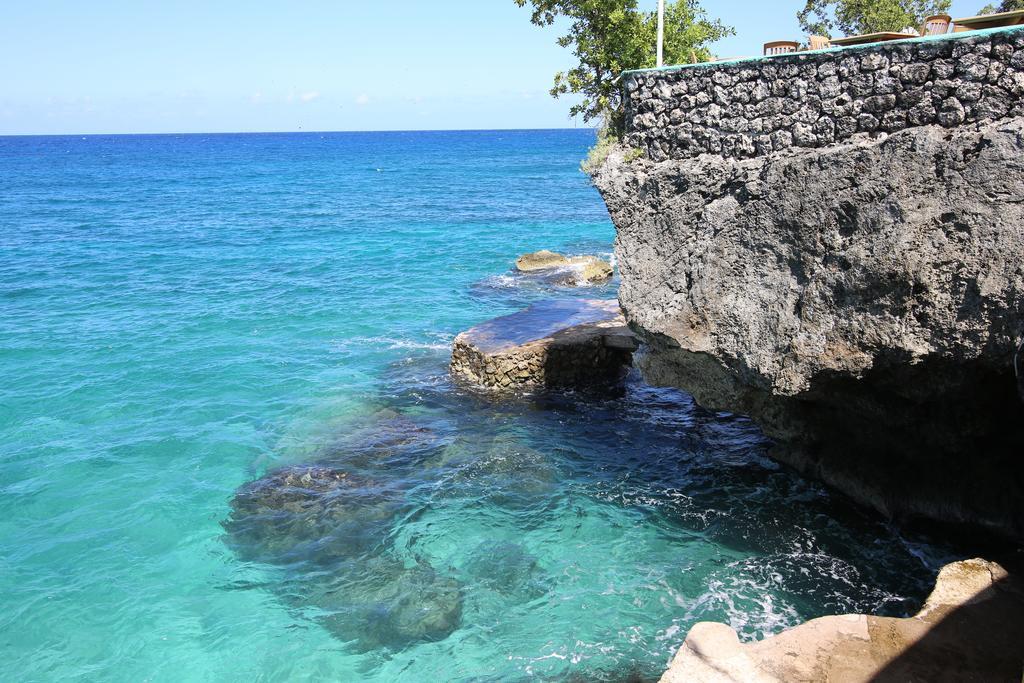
[(753, 107)]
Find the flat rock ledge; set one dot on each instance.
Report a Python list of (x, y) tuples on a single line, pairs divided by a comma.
[(550, 344), (970, 629)]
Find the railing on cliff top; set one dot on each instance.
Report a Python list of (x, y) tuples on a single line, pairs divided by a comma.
[(750, 107)]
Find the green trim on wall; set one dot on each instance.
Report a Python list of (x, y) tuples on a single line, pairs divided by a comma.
[(963, 35)]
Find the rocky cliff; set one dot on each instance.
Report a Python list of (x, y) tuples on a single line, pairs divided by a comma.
[(833, 243)]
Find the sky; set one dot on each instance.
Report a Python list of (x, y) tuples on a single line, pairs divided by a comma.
[(113, 66)]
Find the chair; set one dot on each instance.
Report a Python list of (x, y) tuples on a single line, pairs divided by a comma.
[(936, 25), (818, 43), (781, 47)]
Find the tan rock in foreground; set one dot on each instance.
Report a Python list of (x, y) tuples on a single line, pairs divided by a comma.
[(970, 629), (551, 343)]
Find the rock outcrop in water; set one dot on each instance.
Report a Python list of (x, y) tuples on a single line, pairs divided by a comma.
[(861, 298), (550, 344), (565, 269), (970, 629)]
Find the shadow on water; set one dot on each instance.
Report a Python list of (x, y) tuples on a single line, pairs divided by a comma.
[(445, 508)]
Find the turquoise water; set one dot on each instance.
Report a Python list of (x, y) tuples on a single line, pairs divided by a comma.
[(229, 448)]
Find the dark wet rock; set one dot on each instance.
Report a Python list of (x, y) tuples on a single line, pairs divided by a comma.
[(383, 604), (310, 514), (550, 344)]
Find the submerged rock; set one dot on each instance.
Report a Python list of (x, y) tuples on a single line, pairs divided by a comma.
[(550, 344), (310, 514), (565, 270), (328, 528), (386, 440), (384, 604), (504, 471), (971, 628)]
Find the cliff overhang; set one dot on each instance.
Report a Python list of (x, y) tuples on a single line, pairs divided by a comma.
[(833, 243)]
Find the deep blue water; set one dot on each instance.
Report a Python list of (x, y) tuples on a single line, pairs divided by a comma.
[(230, 450)]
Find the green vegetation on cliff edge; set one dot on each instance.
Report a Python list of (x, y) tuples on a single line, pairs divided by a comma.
[(611, 36)]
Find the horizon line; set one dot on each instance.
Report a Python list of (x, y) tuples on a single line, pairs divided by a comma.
[(295, 132)]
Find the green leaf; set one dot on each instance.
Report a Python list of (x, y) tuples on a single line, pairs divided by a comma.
[(608, 37)]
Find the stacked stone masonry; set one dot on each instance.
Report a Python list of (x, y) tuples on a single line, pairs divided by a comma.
[(755, 107)]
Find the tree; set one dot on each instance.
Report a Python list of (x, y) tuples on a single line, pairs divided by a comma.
[(612, 36), (1004, 6), (825, 17)]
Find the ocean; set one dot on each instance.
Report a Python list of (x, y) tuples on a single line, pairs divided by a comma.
[(230, 449)]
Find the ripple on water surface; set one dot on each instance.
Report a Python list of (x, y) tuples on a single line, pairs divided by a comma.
[(556, 535)]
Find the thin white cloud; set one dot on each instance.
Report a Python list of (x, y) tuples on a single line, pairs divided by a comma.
[(363, 100), (309, 96)]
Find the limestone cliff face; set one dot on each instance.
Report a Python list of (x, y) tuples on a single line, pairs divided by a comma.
[(861, 298)]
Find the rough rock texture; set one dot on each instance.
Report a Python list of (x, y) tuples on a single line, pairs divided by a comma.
[(970, 629), (550, 344), (591, 268), (573, 269), (759, 106), (862, 302), (540, 260)]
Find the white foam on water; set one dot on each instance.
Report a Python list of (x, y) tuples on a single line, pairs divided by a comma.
[(392, 343), (932, 558), (502, 281)]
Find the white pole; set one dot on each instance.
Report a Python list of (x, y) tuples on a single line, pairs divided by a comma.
[(661, 33)]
